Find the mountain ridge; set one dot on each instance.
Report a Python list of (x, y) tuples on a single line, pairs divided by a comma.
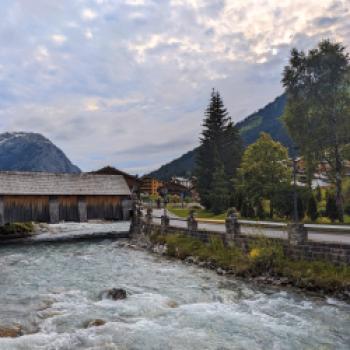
[(28, 151), (266, 119)]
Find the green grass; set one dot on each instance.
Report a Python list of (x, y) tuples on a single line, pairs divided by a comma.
[(200, 213), (264, 257), (17, 228)]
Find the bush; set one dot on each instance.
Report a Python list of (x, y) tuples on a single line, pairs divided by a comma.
[(266, 254), (347, 209), (17, 228), (260, 213), (331, 208), (312, 209)]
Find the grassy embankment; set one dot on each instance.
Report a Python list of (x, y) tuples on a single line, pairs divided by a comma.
[(17, 228), (264, 258)]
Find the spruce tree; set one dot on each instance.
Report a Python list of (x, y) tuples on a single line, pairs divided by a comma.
[(219, 195), (312, 209), (221, 144)]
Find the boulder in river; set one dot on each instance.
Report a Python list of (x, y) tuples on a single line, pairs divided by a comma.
[(115, 294), (95, 323), (10, 331)]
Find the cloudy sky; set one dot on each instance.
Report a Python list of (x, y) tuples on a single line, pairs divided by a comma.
[(125, 82)]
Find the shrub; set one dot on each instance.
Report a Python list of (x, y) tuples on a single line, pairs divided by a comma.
[(266, 254), (347, 209), (17, 228), (312, 209), (260, 213), (331, 208)]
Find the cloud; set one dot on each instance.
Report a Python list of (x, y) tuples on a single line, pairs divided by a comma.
[(121, 83), (88, 14), (58, 39)]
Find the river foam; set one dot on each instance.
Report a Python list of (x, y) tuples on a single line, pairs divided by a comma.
[(53, 291)]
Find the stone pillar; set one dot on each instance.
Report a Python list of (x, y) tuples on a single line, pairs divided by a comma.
[(297, 233), (82, 209), (126, 208), (192, 223), (2, 211), (164, 222), (149, 216), (136, 220), (233, 228), (54, 210)]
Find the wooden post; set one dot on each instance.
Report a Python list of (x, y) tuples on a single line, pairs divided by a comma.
[(82, 209), (2, 211), (54, 210)]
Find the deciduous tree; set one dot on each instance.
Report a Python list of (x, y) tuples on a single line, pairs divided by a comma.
[(318, 106)]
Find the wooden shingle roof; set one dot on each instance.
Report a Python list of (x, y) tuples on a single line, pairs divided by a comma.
[(31, 183)]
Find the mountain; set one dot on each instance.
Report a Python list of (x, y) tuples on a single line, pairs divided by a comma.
[(267, 119), (20, 151)]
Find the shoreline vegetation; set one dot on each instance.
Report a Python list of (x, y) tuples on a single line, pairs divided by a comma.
[(20, 229), (263, 263)]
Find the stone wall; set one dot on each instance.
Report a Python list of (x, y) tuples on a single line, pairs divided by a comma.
[(293, 248)]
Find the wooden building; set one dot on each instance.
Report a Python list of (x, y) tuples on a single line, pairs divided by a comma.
[(132, 180), (150, 185), (46, 197)]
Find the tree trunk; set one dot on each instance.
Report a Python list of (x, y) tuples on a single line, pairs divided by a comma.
[(338, 184)]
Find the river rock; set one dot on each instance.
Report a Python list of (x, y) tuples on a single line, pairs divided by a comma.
[(114, 293), (95, 323), (10, 331)]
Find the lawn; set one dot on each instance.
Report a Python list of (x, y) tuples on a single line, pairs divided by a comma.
[(200, 213)]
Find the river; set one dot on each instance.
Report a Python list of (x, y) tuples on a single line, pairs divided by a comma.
[(53, 291)]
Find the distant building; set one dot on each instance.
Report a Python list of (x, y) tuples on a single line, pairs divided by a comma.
[(174, 188), (47, 197), (132, 180), (182, 181), (150, 185)]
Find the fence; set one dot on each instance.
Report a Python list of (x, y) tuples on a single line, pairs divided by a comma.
[(296, 246)]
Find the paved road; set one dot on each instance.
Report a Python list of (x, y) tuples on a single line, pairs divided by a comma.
[(276, 232)]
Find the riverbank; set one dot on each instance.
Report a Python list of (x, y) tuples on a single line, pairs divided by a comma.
[(264, 263)]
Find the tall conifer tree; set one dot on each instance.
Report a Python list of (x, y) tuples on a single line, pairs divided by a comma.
[(220, 143)]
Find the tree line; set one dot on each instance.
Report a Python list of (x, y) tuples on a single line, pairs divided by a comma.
[(317, 117)]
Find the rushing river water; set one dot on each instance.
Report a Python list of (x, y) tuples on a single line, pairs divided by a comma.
[(53, 290)]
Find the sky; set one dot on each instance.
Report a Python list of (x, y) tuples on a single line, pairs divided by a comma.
[(125, 83)]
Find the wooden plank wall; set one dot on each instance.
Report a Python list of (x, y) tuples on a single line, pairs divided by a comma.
[(36, 208), (104, 207), (26, 208), (68, 207)]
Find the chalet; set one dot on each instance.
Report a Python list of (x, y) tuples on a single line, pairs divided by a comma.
[(47, 197), (132, 180), (150, 185)]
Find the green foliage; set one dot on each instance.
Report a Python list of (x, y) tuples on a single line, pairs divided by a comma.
[(264, 256), (260, 213), (219, 196), (219, 153), (312, 212), (318, 194), (264, 168), (318, 106), (247, 210), (17, 228), (284, 204), (331, 208)]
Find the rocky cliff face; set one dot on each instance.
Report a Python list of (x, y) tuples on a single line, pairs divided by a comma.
[(20, 151)]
